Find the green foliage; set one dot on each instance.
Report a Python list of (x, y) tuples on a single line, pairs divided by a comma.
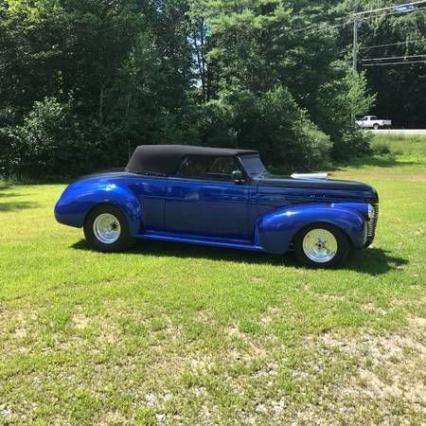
[(49, 143), (381, 149), (340, 101), (343, 100), (270, 122), (314, 144), (351, 145), (249, 73), (262, 83)]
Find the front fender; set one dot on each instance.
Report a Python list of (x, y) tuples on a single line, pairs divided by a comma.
[(81, 197), (275, 231)]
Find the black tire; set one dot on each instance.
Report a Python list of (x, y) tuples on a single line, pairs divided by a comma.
[(124, 241), (376, 127), (343, 246)]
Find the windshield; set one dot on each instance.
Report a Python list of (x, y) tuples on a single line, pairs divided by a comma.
[(253, 165)]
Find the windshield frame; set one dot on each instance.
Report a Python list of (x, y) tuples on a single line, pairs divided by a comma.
[(253, 174)]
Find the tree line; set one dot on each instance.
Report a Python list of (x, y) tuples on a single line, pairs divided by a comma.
[(85, 81)]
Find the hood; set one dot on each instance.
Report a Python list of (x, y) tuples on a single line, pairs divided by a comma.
[(323, 185)]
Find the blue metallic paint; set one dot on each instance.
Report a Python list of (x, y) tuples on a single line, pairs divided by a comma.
[(198, 207), (251, 216), (83, 196), (275, 231)]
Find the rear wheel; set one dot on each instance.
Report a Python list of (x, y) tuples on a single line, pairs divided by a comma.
[(106, 229), (376, 127), (321, 246)]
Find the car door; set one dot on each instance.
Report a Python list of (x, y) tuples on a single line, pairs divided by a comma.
[(151, 193), (203, 200)]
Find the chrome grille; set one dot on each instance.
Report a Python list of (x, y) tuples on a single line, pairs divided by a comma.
[(372, 224)]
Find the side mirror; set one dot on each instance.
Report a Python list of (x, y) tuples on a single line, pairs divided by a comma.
[(238, 176)]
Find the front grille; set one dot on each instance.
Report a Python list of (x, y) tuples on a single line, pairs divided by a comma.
[(372, 225)]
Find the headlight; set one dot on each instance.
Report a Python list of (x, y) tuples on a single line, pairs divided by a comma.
[(371, 212)]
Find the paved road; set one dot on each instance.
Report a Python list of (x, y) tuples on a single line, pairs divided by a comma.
[(402, 132)]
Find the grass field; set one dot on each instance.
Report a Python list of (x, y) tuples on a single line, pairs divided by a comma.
[(187, 335)]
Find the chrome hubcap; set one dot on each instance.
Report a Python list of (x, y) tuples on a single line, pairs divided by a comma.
[(107, 228), (320, 245)]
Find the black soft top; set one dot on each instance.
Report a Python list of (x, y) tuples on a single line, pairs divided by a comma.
[(166, 159)]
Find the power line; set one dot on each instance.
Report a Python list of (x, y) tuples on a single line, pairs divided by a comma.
[(348, 19), (311, 28), (377, 46), (356, 18), (395, 9), (396, 6), (393, 57), (379, 15), (384, 64)]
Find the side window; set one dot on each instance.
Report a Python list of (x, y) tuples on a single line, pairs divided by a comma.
[(194, 167), (198, 167), (222, 168)]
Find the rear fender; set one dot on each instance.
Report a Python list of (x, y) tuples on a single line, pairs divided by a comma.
[(80, 198), (276, 231)]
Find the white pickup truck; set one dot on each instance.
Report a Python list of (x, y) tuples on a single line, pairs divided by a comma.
[(372, 122)]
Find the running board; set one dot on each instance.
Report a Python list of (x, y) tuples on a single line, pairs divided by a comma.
[(188, 239)]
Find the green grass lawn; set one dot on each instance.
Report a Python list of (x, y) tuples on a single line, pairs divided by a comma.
[(179, 334)]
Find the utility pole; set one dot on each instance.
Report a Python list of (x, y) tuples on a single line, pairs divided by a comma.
[(355, 47), (355, 59)]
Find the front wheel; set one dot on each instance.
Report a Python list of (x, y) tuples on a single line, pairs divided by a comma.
[(376, 127), (321, 246), (106, 229)]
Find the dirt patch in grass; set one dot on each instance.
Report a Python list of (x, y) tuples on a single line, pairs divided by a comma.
[(80, 321), (388, 380), (16, 331), (269, 316), (246, 346)]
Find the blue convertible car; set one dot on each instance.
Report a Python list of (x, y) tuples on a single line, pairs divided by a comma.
[(224, 198)]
